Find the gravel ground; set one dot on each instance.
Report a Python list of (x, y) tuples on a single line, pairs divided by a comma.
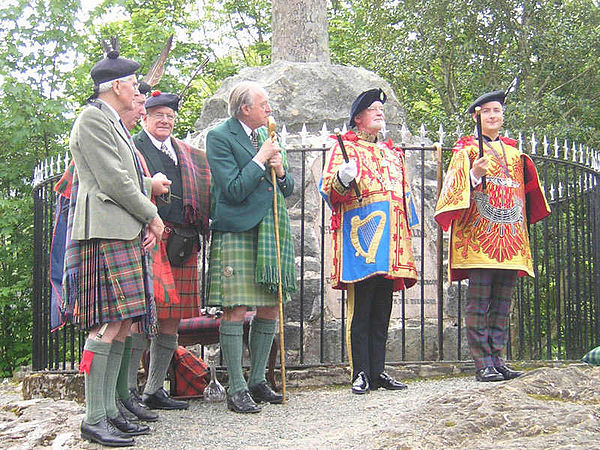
[(317, 418)]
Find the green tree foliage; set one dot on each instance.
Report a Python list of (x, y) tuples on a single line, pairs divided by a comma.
[(440, 55)]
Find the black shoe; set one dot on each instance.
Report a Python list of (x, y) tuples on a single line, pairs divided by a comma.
[(508, 373), (387, 382), (261, 392), (488, 373), (129, 428), (360, 385), (104, 433), (129, 416), (134, 405), (161, 400), (241, 402)]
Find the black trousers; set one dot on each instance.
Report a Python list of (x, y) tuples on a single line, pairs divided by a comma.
[(369, 326)]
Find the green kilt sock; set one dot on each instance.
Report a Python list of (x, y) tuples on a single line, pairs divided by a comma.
[(260, 341), (94, 381), (161, 352), (232, 338), (110, 379), (139, 344), (122, 388)]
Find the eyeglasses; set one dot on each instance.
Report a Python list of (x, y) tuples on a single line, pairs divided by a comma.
[(167, 116), (375, 108)]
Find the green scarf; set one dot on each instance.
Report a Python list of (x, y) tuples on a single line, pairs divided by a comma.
[(266, 254)]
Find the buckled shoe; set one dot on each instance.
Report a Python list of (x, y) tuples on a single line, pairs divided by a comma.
[(508, 373), (387, 382), (360, 385), (488, 373)]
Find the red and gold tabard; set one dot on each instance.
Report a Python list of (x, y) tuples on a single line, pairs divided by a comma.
[(489, 228), (371, 237)]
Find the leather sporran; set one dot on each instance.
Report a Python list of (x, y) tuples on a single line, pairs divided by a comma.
[(180, 245)]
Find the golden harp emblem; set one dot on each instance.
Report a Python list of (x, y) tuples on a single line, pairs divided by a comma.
[(371, 231)]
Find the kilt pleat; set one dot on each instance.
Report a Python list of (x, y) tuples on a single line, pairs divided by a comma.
[(232, 267), (110, 285), (187, 287)]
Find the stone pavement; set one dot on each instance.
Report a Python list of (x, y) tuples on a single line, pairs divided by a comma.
[(547, 408)]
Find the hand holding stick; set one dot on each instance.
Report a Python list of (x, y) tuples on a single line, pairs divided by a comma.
[(353, 183)]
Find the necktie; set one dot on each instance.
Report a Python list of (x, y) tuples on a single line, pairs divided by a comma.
[(254, 139), (167, 151)]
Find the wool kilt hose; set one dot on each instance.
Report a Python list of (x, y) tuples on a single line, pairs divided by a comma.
[(487, 310), (187, 286), (110, 282), (232, 268)]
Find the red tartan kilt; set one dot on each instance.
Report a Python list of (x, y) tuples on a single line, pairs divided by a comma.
[(187, 287)]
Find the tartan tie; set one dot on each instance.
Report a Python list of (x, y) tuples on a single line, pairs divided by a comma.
[(165, 150), (254, 139)]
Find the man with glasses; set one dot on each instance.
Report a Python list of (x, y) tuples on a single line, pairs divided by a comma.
[(489, 241), (112, 222), (371, 240), (185, 213)]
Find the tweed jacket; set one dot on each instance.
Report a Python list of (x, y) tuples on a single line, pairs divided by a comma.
[(242, 191), (110, 202)]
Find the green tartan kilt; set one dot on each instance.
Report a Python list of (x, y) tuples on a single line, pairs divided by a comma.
[(231, 272)]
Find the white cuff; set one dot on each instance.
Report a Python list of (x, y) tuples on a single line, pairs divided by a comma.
[(474, 180), (261, 165)]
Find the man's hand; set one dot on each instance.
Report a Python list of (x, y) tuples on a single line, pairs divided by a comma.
[(276, 162), (154, 231), (480, 167), (160, 184), (347, 172), (267, 150)]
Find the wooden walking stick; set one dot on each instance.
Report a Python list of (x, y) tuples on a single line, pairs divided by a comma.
[(271, 127)]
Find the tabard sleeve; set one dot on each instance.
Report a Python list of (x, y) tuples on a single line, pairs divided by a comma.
[(537, 205), (456, 191)]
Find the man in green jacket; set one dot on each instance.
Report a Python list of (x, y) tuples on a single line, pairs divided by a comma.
[(243, 257)]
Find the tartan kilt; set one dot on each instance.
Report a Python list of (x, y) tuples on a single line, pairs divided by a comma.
[(186, 282), (110, 284), (231, 271)]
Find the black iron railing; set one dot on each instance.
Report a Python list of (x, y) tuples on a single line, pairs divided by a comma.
[(555, 314)]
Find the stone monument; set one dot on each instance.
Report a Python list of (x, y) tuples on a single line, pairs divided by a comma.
[(306, 91)]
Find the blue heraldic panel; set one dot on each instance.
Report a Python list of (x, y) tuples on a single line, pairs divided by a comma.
[(366, 245)]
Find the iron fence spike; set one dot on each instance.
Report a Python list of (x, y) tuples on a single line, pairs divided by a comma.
[(556, 147), (534, 144), (520, 142), (283, 134), (441, 134), (546, 144), (574, 151), (404, 133), (304, 135), (566, 150)]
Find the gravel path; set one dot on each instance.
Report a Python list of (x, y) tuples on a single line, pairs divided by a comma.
[(318, 418)]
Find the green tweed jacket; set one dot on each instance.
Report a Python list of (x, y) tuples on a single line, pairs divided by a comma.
[(110, 203), (242, 192)]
